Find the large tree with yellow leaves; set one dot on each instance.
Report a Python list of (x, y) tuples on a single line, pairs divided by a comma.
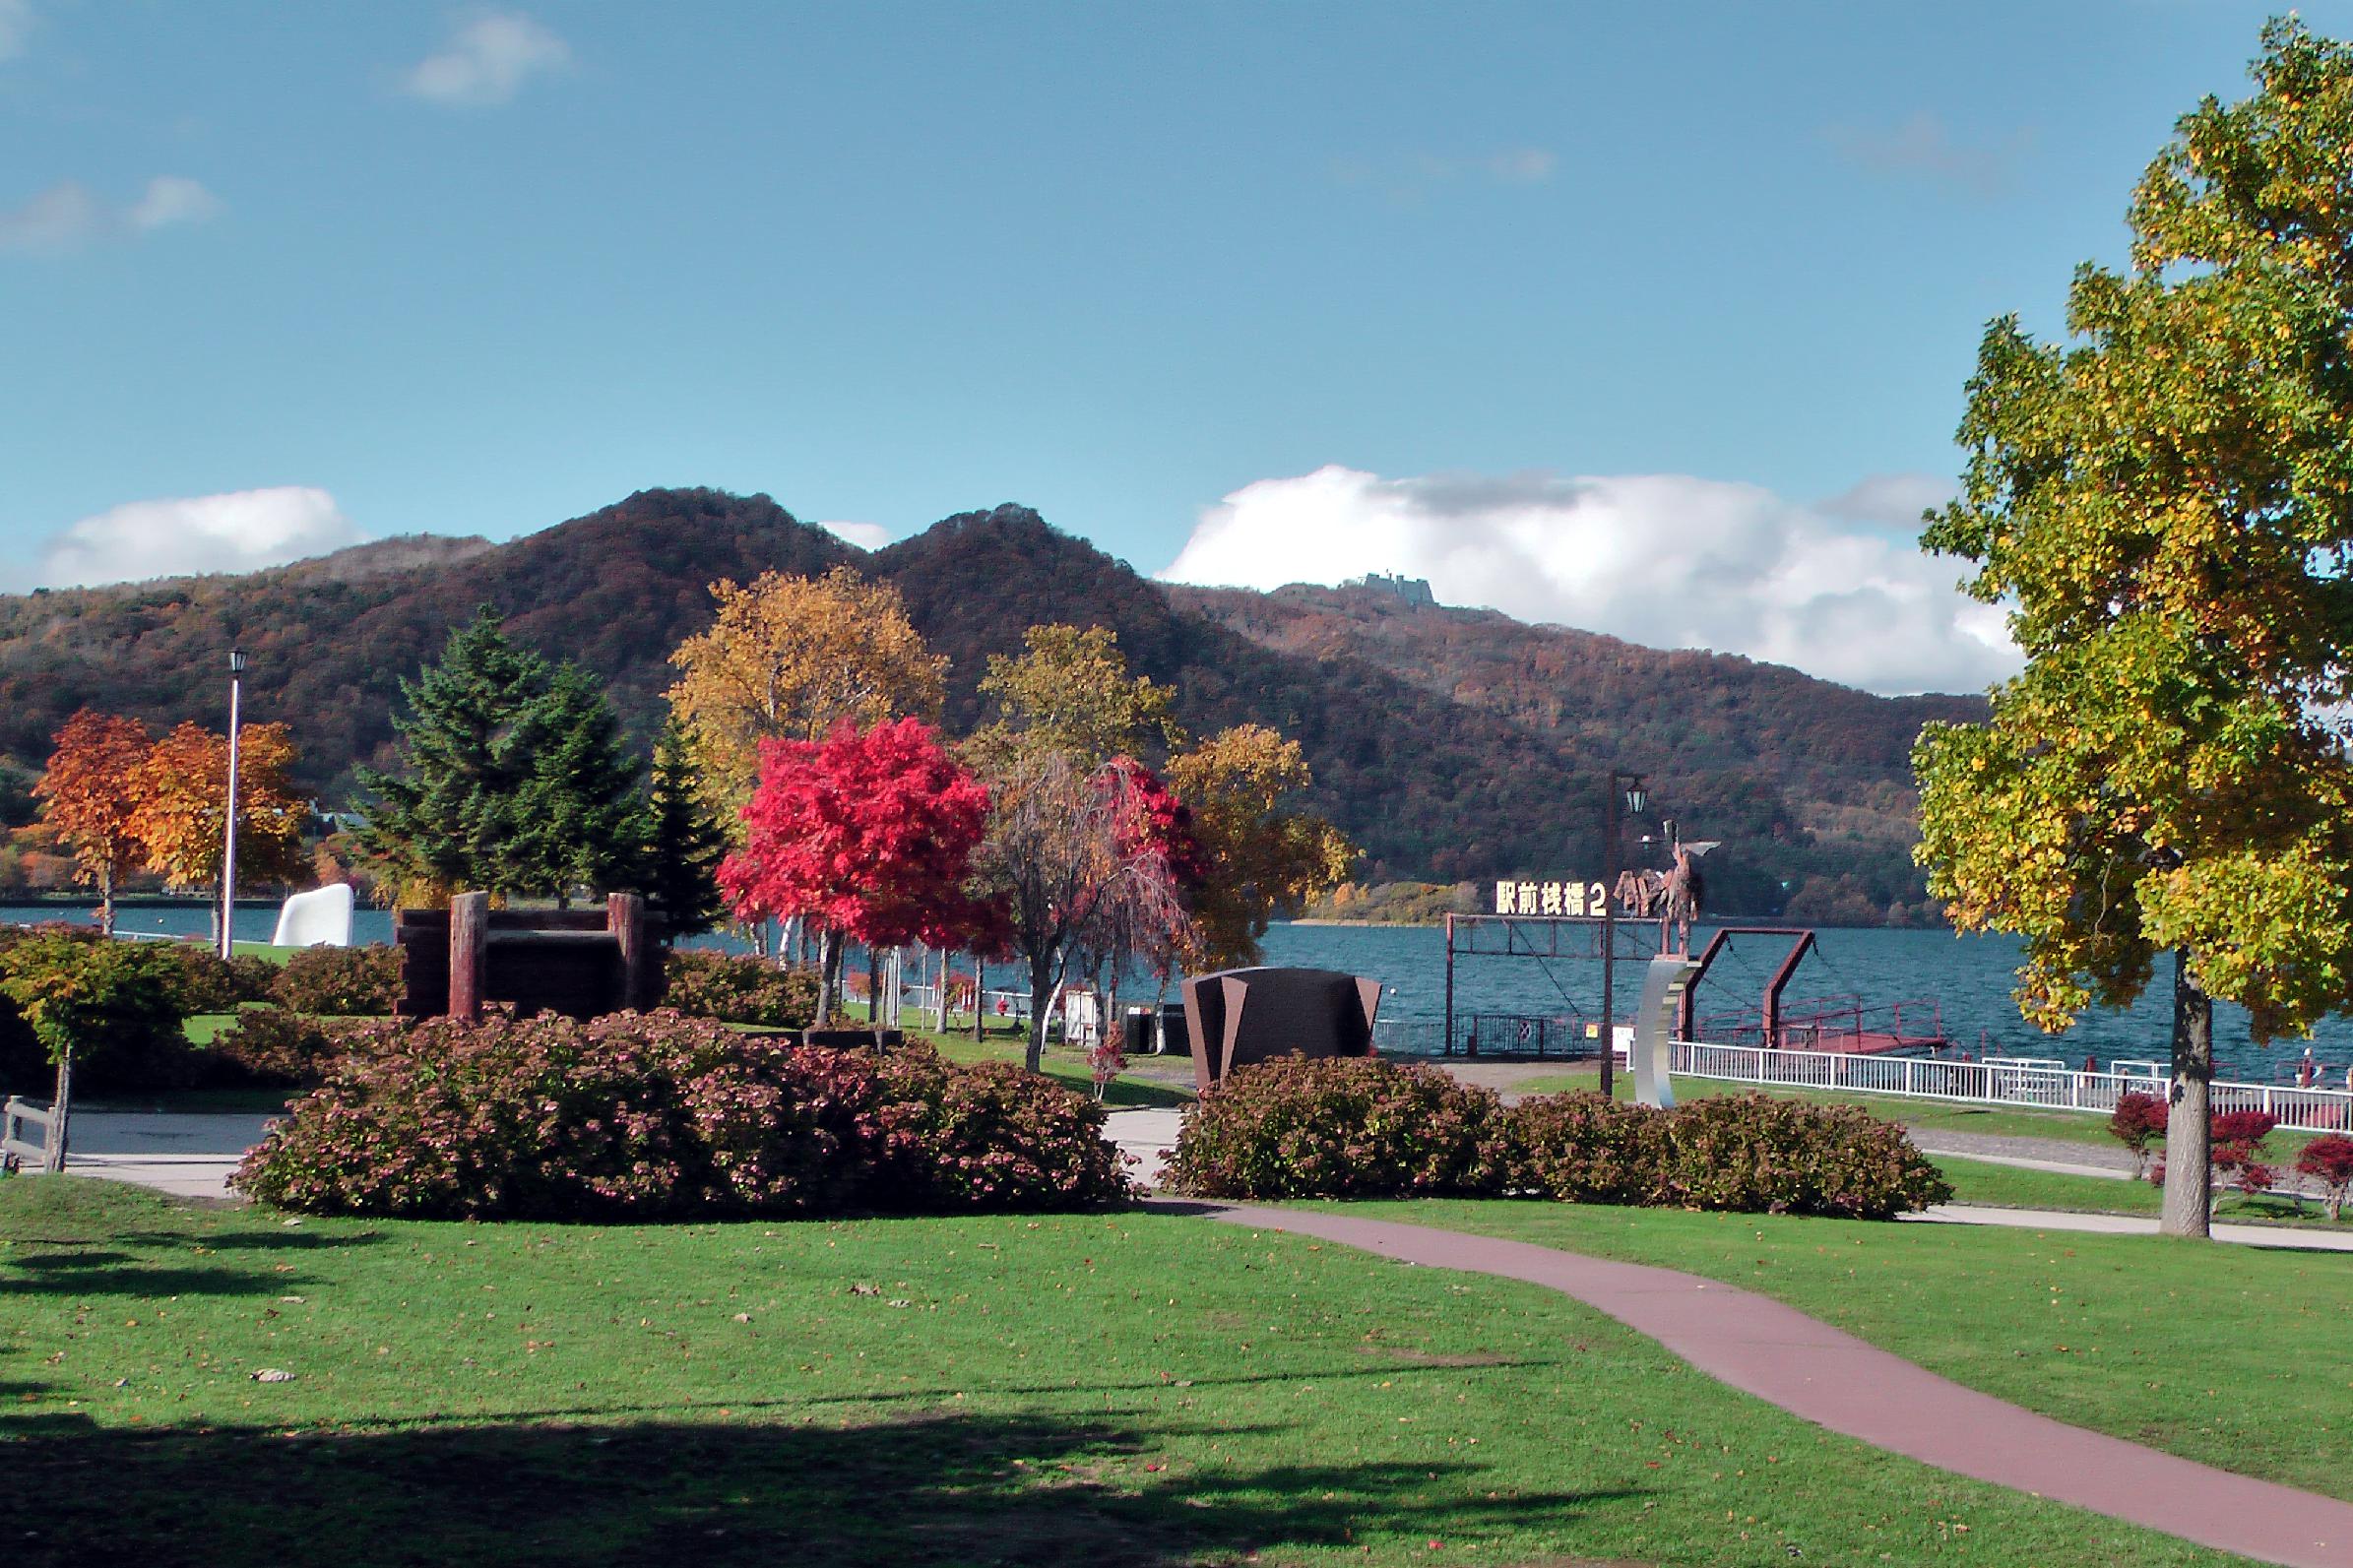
[(788, 658), (2165, 500)]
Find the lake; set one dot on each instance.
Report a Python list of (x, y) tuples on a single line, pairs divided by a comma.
[(1968, 977)]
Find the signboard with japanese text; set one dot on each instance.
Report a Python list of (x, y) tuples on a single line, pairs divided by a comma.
[(1556, 900)]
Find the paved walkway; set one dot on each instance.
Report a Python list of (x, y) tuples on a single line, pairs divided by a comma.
[(2291, 1238), (187, 1156), (1815, 1371)]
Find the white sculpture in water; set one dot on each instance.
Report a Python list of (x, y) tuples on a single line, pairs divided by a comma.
[(321, 919)]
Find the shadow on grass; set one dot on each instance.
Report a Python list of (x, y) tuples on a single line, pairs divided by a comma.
[(928, 1490), (78, 1269)]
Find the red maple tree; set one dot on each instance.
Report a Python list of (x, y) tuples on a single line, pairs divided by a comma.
[(868, 835)]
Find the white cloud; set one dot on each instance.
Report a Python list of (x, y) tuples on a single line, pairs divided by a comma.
[(15, 26), (1922, 148), (69, 215), (488, 60), (1664, 560), (169, 200), (1891, 500), (1409, 179), (239, 531), (866, 535)]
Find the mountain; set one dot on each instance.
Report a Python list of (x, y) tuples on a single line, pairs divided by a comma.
[(1449, 743)]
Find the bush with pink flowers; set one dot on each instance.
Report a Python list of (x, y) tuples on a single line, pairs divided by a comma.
[(1360, 1128), (1341, 1127), (645, 1116)]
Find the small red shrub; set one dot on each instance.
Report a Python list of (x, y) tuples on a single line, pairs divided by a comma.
[(2328, 1160), (2138, 1123)]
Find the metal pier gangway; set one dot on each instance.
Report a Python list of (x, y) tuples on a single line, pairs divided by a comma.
[(1843, 1022)]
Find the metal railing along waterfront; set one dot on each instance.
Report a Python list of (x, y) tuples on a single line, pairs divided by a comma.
[(2034, 1083)]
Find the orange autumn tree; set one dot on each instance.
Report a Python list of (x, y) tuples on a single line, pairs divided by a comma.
[(86, 800), (180, 794)]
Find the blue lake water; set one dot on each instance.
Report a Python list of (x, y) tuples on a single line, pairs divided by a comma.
[(1968, 977)]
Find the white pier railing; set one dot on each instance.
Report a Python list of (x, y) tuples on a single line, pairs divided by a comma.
[(2040, 1084)]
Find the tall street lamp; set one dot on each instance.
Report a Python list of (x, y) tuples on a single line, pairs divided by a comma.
[(228, 845), (1628, 787)]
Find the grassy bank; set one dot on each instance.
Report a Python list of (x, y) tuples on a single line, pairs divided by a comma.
[(2230, 1355), (1124, 1388)]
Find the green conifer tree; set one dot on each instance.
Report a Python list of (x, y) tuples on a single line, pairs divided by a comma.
[(514, 780), (436, 826), (577, 818), (685, 843)]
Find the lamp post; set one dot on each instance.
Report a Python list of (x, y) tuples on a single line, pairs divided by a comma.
[(1636, 797), (228, 843)]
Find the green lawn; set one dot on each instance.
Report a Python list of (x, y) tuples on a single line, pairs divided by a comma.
[(2011, 1187), (1105, 1390), (2231, 1355)]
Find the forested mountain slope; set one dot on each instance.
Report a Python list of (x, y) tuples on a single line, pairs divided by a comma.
[(1449, 743)]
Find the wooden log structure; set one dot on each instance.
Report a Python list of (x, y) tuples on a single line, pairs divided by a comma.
[(580, 962)]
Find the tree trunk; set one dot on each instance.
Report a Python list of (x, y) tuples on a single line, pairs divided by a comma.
[(1042, 988), (788, 942), (106, 900), (873, 985), (979, 995), (829, 964), (60, 1109), (2189, 1178)]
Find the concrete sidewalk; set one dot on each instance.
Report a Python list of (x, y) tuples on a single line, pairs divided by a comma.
[(1827, 1376), (186, 1156), (2289, 1237)]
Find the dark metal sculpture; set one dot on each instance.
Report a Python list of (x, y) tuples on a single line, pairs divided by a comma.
[(1241, 1016)]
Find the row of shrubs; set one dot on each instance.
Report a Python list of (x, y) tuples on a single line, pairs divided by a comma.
[(1368, 1128), (641, 1116), (149, 987)]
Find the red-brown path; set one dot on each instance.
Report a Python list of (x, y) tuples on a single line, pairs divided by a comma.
[(1813, 1371)]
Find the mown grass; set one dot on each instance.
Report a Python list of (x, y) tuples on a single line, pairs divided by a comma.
[(2228, 1354), (1128, 1389), (1983, 1182)]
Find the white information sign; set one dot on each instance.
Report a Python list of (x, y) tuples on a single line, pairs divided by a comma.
[(1554, 899)]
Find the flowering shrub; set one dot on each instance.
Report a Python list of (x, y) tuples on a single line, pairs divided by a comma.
[(655, 1115), (1341, 1127), (739, 989), (273, 1045), (2328, 1160), (1585, 1147), (2138, 1123), (993, 1136), (341, 981), (1364, 1127), (1752, 1153)]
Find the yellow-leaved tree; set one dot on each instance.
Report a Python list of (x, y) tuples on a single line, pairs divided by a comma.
[(1264, 857), (788, 659), (180, 795)]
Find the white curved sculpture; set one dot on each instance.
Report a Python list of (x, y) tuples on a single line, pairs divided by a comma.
[(320, 919), (1654, 1027)]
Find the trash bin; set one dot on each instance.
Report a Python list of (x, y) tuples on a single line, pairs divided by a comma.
[(1138, 1025), (1173, 1039)]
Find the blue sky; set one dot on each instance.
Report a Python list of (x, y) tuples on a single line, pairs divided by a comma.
[(1426, 287)]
